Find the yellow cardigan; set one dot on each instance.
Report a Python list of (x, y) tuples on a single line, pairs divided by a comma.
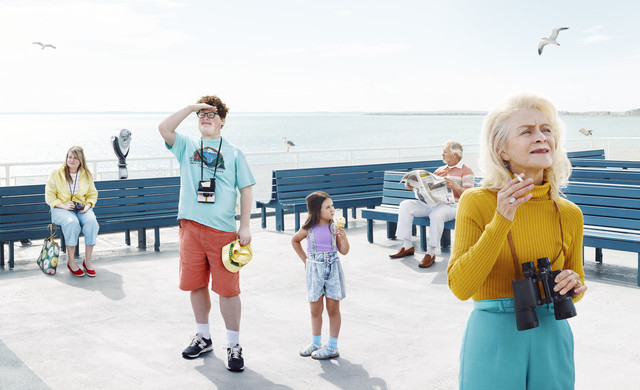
[(57, 191), (481, 265)]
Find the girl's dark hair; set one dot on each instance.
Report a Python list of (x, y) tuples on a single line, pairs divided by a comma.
[(314, 205)]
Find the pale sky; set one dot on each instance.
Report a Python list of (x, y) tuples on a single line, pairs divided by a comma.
[(306, 55)]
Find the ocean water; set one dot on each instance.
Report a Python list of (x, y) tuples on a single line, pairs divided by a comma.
[(29, 138), (46, 137)]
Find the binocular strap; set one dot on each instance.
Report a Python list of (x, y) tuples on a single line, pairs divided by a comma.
[(514, 256)]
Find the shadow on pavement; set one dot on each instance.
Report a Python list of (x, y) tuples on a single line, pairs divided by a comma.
[(215, 370), (107, 282), (15, 374), (346, 375)]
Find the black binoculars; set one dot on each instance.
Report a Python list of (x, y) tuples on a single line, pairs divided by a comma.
[(527, 294)]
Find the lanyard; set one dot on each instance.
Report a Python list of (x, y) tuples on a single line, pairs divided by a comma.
[(75, 181), (202, 158)]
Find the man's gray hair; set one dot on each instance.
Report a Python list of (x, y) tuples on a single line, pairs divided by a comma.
[(455, 147)]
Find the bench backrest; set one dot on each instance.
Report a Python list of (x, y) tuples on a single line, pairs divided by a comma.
[(593, 154), (394, 192), (340, 180), (606, 205), (605, 175), (602, 163), (25, 207)]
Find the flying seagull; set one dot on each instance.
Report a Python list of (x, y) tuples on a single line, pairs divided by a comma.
[(551, 39), (287, 144), (586, 132), (42, 45)]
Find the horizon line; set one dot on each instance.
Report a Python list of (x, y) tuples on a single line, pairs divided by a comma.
[(404, 112)]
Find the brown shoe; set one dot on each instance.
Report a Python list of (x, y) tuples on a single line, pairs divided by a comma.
[(402, 253), (427, 261)]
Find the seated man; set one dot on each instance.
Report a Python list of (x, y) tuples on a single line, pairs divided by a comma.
[(459, 177)]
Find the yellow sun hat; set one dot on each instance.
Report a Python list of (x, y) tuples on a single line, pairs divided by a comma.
[(235, 256)]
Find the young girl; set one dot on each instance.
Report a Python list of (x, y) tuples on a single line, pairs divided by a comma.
[(324, 272)]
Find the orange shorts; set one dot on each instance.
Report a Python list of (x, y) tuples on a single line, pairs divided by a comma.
[(201, 257)]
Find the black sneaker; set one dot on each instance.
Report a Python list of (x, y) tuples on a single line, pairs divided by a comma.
[(198, 346), (235, 360)]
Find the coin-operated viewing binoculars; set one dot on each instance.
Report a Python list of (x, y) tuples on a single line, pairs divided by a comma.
[(121, 144)]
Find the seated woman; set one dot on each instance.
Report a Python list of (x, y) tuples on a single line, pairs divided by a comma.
[(71, 193), (517, 216)]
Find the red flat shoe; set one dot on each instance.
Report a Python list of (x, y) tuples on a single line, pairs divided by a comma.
[(90, 272), (77, 273)]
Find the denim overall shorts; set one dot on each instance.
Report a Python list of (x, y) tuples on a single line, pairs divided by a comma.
[(324, 272)]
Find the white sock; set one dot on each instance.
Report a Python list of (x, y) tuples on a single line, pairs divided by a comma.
[(204, 330), (431, 251), (233, 338), (407, 244)]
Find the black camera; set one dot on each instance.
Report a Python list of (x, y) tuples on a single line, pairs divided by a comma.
[(207, 191), (78, 206), (527, 294)]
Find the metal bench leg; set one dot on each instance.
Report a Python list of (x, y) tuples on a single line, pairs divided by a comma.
[(156, 237), (297, 221), (391, 229), (370, 230), (345, 214), (414, 231), (142, 238), (1, 254), (264, 217), (63, 244), (423, 238), (127, 237), (445, 240), (10, 254), (353, 213), (77, 251), (279, 220), (599, 255)]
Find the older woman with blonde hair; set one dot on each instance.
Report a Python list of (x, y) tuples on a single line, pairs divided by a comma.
[(517, 216), (71, 194)]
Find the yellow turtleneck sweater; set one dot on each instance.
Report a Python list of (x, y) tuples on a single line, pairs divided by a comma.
[(481, 265)]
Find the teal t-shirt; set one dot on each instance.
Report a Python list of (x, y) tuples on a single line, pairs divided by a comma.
[(233, 173)]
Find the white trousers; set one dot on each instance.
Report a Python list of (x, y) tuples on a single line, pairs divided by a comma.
[(438, 215)]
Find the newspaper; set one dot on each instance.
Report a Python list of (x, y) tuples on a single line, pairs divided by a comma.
[(429, 188)]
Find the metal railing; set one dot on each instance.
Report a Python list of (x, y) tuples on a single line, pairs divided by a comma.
[(22, 173)]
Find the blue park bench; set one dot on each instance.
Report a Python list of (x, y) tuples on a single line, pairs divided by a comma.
[(602, 163), (611, 216), (605, 175), (593, 154), (350, 186), (394, 192), (123, 205)]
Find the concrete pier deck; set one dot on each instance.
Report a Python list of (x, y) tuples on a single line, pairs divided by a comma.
[(401, 326)]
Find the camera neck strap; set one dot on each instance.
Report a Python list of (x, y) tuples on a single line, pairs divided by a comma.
[(75, 182), (514, 255), (215, 169)]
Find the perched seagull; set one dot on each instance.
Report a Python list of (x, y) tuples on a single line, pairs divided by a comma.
[(551, 39), (287, 144), (586, 132), (42, 45)]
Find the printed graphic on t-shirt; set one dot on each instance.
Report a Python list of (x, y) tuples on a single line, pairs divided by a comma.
[(208, 156)]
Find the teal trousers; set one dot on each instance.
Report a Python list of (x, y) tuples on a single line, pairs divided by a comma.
[(496, 355)]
